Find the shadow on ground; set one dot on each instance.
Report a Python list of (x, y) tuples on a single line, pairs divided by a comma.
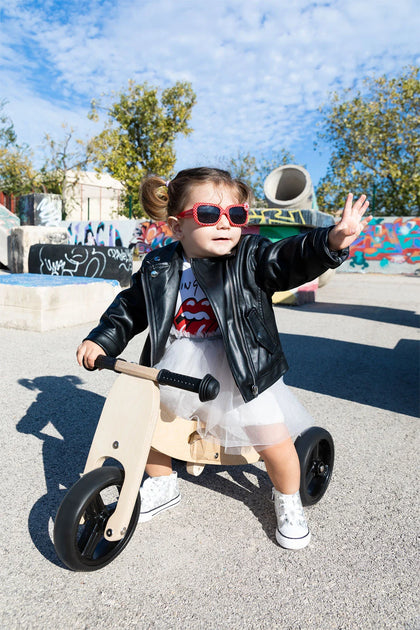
[(64, 418), (379, 377), (255, 494), (381, 314)]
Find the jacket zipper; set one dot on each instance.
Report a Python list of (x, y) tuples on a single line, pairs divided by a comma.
[(152, 327), (254, 387)]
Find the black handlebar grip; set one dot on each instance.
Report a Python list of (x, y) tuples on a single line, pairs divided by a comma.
[(103, 362), (207, 388)]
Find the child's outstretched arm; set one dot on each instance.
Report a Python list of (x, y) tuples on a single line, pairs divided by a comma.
[(350, 225), (87, 353)]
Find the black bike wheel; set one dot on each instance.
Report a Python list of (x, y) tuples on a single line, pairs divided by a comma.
[(81, 518), (315, 449)]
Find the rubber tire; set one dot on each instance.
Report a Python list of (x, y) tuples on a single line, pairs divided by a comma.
[(68, 532), (314, 447)]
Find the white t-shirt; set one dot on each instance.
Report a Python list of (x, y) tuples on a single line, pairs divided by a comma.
[(194, 317)]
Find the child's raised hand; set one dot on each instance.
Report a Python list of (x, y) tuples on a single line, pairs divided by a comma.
[(87, 353), (351, 223)]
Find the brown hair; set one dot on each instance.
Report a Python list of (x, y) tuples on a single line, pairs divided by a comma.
[(161, 199)]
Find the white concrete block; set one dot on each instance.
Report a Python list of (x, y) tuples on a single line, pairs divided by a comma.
[(39, 303)]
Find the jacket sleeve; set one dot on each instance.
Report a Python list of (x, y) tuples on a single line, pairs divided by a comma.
[(292, 261), (122, 320)]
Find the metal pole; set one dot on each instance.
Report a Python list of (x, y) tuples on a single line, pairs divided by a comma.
[(372, 210)]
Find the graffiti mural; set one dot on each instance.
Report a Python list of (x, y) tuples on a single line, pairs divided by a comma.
[(101, 233), (281, 216), (113, 263), (388, 245), (139, 236), (40, 209), (149, 235)]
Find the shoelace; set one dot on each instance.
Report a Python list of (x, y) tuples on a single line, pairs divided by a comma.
[(290, 510)]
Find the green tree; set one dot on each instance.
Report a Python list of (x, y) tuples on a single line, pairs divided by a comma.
[(67, 158), (375, 140), (253, 170), (17, 174), (139, 135)]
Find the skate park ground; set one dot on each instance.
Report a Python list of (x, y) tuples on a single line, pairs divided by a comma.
[(213, 562)]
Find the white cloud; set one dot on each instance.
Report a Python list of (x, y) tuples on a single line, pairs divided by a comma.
[(260, 69)]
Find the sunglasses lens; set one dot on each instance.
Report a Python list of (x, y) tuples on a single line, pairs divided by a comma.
[(238, 215), (209, 215)]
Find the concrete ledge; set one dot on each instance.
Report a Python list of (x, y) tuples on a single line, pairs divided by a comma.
[(21, 239), (39, 303)]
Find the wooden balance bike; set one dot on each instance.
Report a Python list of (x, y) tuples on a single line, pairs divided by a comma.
[(99, 513)]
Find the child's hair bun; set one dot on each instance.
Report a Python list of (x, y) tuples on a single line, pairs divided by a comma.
[(154, 197)]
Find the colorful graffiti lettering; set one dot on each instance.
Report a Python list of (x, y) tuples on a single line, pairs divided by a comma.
[(388, 240), (276, 216), (289, 217), (85, 233), (149, 235), (140, 236)]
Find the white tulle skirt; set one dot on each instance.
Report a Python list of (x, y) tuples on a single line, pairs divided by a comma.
[(273, 416)]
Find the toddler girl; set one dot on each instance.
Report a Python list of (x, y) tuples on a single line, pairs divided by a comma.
[(206, 299)]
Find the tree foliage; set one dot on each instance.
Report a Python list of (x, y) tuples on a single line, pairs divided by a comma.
[(66, 156), (375, 141), (17, 174), (254, 171), (140, 131)]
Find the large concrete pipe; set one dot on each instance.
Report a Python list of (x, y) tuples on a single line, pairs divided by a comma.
[(290, 187)]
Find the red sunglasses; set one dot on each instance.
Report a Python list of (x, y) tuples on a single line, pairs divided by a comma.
[(211, 213)]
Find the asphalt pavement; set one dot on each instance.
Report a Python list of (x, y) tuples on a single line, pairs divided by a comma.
[(213, 562)]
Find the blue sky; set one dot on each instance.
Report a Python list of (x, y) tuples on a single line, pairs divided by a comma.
[(260, 68)]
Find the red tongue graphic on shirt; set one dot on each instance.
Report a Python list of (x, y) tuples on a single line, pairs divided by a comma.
[(195, 317)]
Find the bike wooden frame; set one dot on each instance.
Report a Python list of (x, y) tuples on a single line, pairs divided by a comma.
[(131, 423)]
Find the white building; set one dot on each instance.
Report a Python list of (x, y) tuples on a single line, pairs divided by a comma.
[(93, 196)]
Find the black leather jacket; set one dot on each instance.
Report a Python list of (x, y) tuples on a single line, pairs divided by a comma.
[(239, 288)]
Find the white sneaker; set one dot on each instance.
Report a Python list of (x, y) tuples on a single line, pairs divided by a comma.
[(158, 494), (292, 529)]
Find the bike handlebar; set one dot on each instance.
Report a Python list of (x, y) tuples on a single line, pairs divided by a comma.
[(207, 388)]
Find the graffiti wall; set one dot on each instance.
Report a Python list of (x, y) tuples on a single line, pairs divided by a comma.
[(293, 218), (40, 209), (139, 236), (388, 245), (114, 263)]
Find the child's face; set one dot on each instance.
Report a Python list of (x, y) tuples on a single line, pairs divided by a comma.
[(210, 240)]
